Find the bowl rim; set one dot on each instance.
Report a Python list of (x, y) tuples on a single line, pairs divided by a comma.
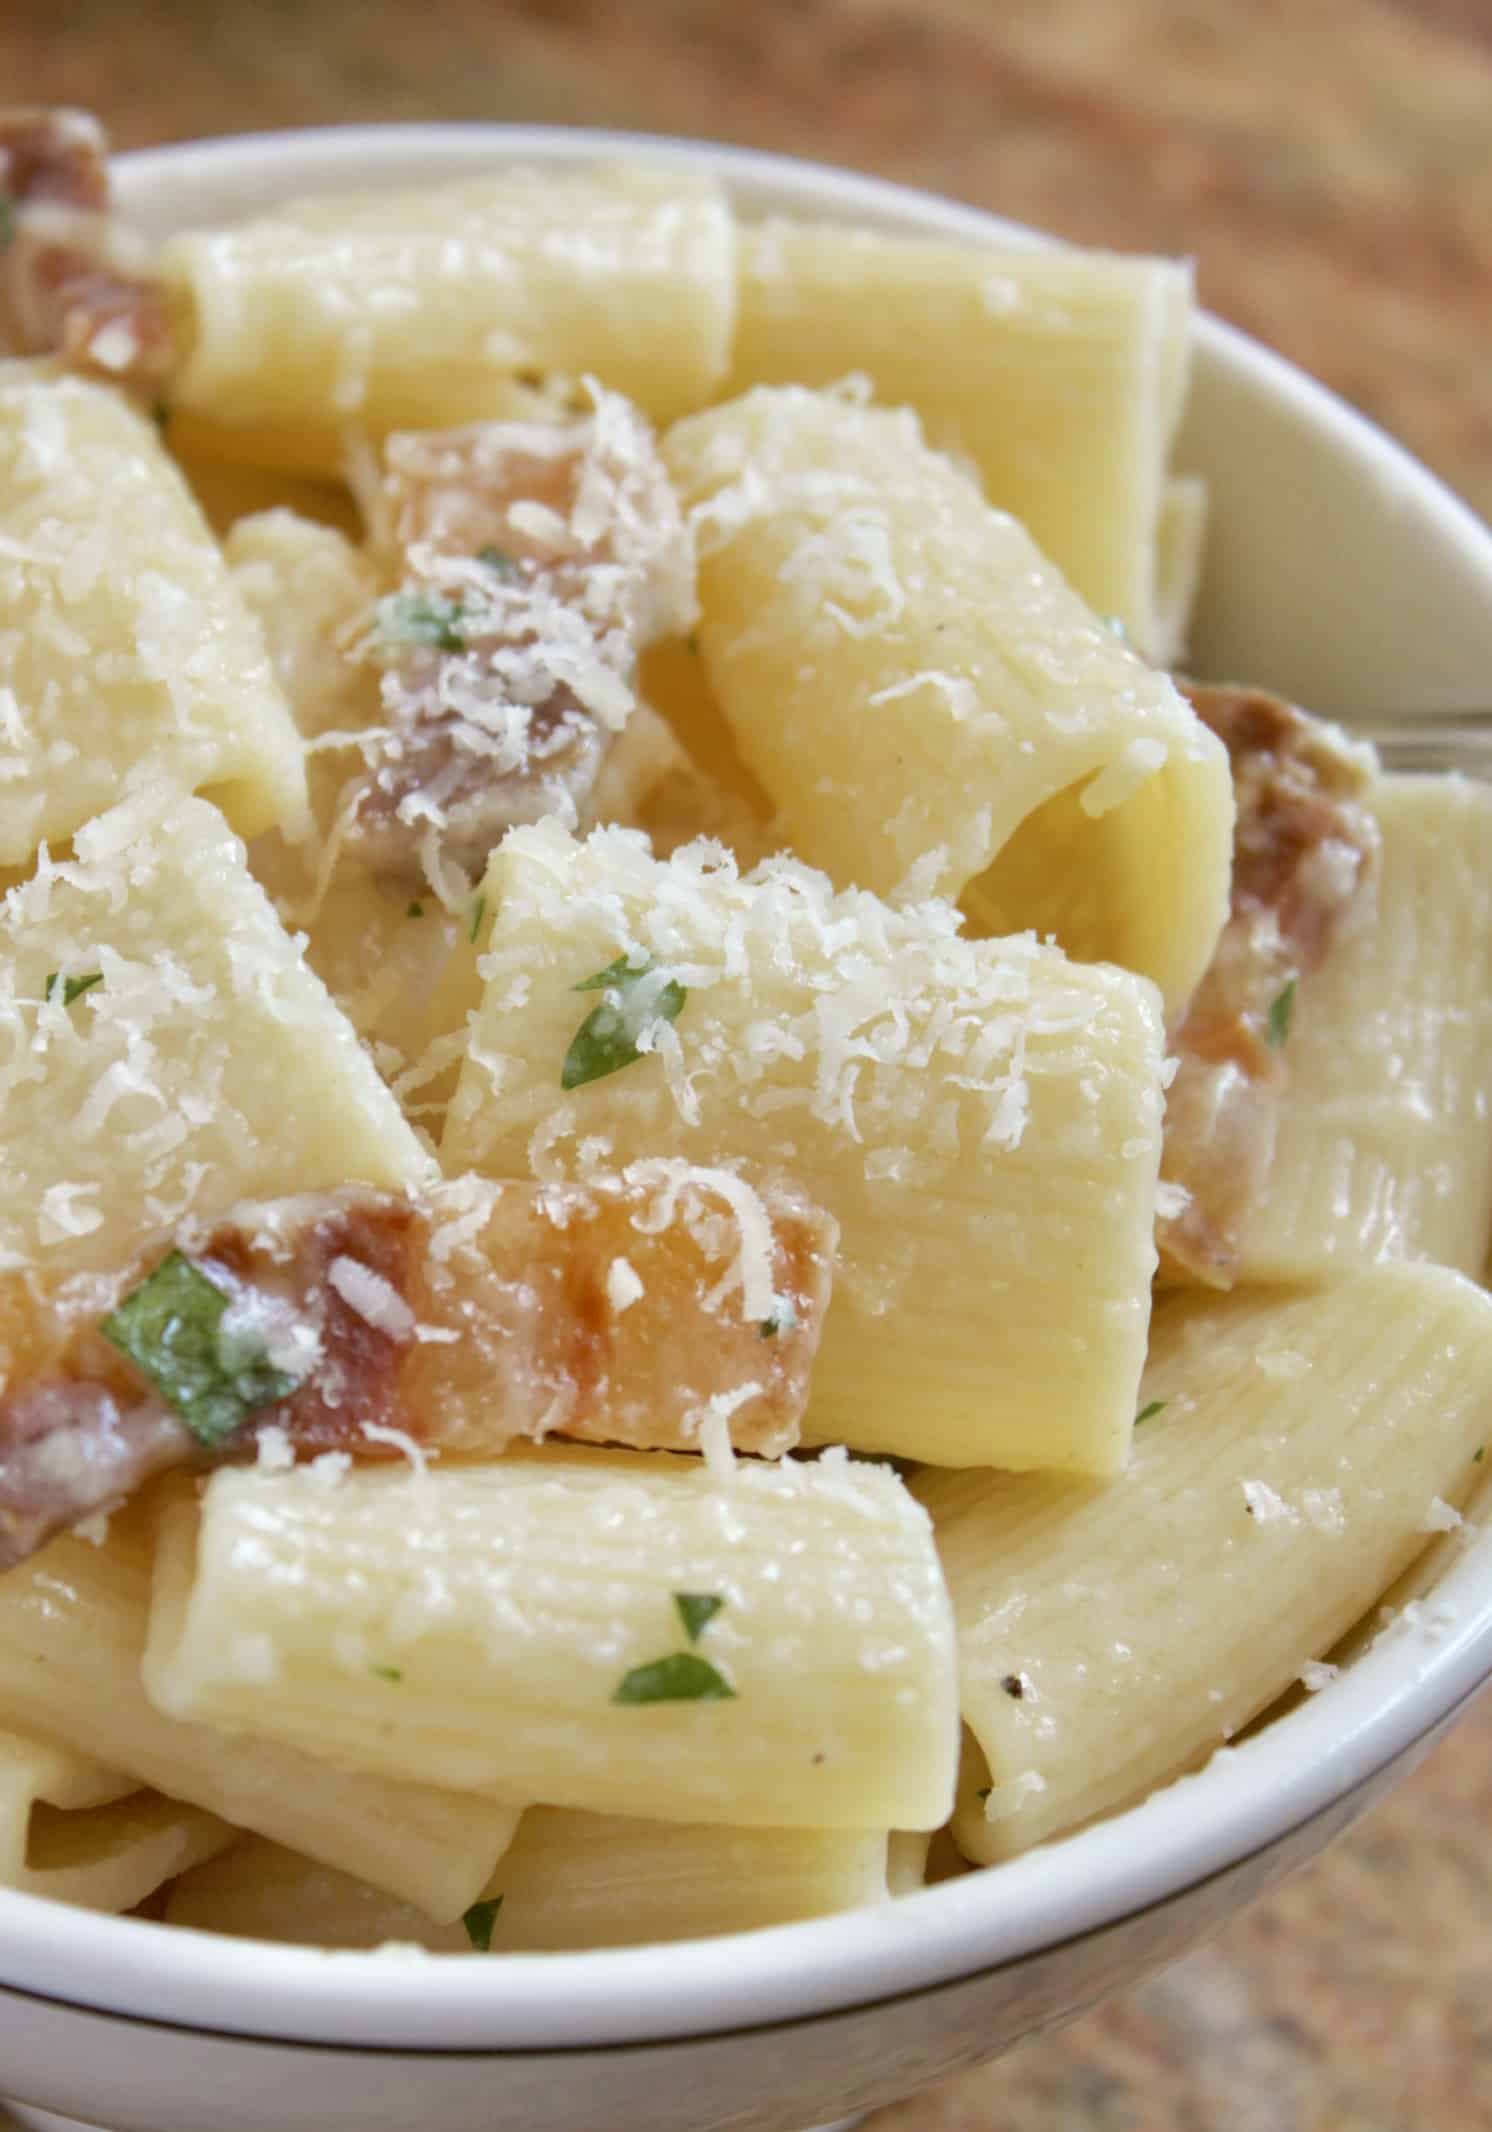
[(1248, 1799)]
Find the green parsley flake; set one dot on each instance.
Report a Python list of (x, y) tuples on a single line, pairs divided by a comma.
[(1479, 1454), (414, 910), (478, 913), (72, 987), (422, 618), (607, 1039), (497, 559), (479, 1920), (171, 1328), (697, 1610), (394, 1673), (620, 972), (683, 1677), (1280, 1009), (1147, 1413), (781, 1318), (7, 221)]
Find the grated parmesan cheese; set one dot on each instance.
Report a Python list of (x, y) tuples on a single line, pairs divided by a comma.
[(623, 1288), (1171, 1200), (330, 1469), (274, 1451), (1005, 1800), (1266, 1506), (374, 1299), (67, 1211), (715, 1443), (400, 1440), (677, 1181)]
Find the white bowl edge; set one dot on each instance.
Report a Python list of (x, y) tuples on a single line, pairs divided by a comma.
[(1247, 1797)]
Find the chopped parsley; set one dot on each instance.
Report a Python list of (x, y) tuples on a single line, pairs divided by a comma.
[(607, 1040), (1478, 1454), (697, 1610), (422, 618), (7, 221), (781, 1318), (479, 1920), (171, 1328), (1148, 1413), (1280, 1009), (478, 913), (72, 987), (497, 559), (394, 1673), (620, 972), (683, 1677), (414, 910)]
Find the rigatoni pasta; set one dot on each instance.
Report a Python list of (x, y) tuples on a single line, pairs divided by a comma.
[(128, 648), (1060, 374), (931, 709), (1297, 1453), (605, 1631), (1180, 540), (79, 1833), (1381, 1149), (567, 1881), (72, 1637), (151, 999), (982, 1119), (355, 312)]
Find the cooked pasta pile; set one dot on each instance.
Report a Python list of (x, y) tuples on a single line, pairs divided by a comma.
[(698, 1179)]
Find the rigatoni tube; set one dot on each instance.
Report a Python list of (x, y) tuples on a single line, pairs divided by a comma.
[(1382, 1149), (421, 308), (203, 1064), (929, 706), (981, 1117), (1295, 1455), (1060, 374), (72, 1633), (568, 1881), (520, 1627), (126, 640), (79, 1833)]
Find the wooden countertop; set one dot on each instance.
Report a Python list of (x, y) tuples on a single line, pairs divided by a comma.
[(1329, 164)]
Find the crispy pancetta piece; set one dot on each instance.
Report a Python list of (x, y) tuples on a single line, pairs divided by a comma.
[(1304, 849), (637, 1310), (535, 560), (73, 282)]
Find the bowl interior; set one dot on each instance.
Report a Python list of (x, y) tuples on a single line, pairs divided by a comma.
[(1339, 571)]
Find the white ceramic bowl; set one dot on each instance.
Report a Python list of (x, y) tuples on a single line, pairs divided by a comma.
[(1339, 571)]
